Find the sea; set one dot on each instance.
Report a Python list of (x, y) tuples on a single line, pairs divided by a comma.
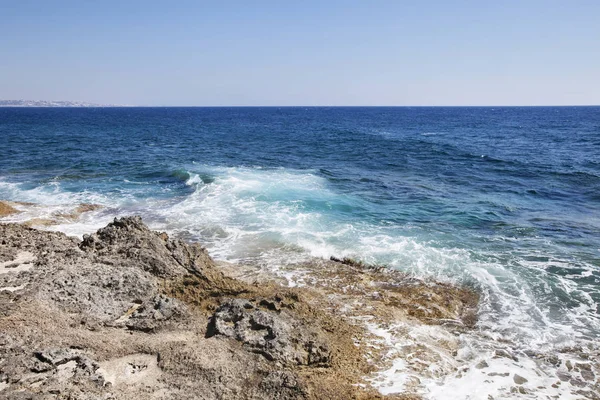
[(502, 199)]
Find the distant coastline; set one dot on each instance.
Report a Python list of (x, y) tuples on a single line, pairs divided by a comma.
[(49, 103)]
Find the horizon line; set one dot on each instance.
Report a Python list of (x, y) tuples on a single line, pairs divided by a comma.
[(95, 105)]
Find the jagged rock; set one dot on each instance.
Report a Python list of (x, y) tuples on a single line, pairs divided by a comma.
[(149, 315), (129, 239), (56, 357), (277, 336), (106, 273), (49, 371), (283, 385), (80, 363)]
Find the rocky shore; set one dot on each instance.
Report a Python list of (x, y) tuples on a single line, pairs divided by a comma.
[(131, 313)]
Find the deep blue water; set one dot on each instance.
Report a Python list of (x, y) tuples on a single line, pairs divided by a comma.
[(506, 199)]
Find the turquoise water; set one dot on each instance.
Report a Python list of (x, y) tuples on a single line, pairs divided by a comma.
[(505, 199)]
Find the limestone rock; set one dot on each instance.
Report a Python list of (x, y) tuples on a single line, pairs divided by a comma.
[(277, 336), (150, 315), (129, 313), (128, 238)]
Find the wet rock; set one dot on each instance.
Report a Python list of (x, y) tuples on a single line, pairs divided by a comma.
[(563, 376), (519, 380), (569, 365), (583, 366), (589, 394), (499, 374), (482, 364), (87, 207), (80, 209), (6, 209), (588, 375), (40, 222), (501, 353), (577, 382), (277, 336), (553, 359), (518, 389)]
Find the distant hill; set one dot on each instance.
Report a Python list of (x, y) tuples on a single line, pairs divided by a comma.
[(45, 103)]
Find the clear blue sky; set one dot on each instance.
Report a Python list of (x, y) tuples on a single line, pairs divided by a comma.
[(301, 52)]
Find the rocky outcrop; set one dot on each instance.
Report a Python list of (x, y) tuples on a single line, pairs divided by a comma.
[(129, 243), (277, 336), (130, 313)]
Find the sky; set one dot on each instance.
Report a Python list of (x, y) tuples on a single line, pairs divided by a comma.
[(285, 53)]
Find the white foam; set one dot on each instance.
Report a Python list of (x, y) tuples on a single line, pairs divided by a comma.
[(499, 380), (193, 180), (49, 201), (429, 361)]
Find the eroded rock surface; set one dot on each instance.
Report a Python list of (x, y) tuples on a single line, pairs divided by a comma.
[(129, 313), (276, 335)]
